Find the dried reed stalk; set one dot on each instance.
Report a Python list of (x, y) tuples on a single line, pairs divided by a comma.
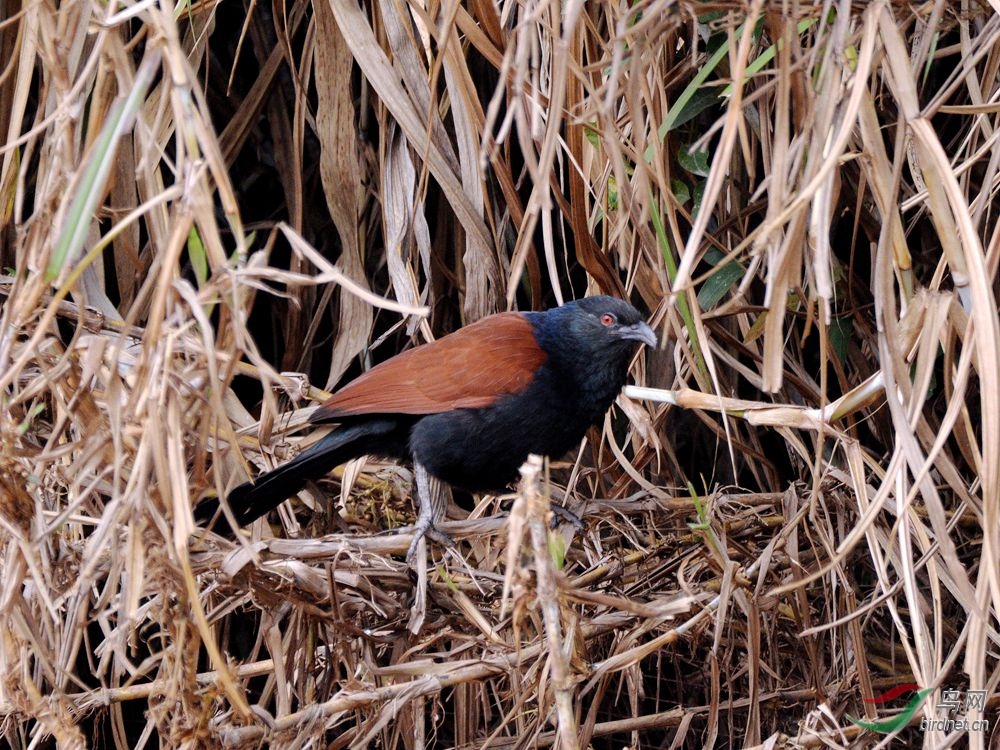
[(802, 194)]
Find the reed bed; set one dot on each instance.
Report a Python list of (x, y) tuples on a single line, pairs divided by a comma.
[(211, 214)]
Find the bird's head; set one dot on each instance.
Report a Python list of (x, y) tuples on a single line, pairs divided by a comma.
[(607, 322), (594, 328)]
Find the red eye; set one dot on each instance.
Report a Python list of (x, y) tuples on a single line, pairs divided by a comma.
[(608, 319)]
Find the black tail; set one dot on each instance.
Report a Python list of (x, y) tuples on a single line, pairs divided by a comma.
[(251, 500)]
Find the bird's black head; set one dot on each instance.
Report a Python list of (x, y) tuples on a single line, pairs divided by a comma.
[(589, 343), (591, 330), (608, 319)]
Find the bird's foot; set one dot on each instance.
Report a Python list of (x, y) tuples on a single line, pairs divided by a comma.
[(430, 511), (424, 527), (562, 513)]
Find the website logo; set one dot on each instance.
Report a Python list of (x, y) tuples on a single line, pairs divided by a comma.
[(897, 722), (956, 711)]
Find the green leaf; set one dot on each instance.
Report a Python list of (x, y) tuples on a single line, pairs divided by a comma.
[(99, 160), (756, 65), (700, 100), (720, 282), (695, 162), (680, 190), (196, 254), (697, 194), (851, 53), (682, 301), (557, 550), (930, 56), (840, 337), (675, 110), (29, 418), (699, 508), (612, 193), (448, 581)]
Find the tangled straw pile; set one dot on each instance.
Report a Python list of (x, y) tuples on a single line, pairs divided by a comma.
[(804, 196)]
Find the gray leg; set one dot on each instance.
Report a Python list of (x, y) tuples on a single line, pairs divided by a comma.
[(431, 501)]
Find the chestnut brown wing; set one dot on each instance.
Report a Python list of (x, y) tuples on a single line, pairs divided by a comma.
[(470, 368)]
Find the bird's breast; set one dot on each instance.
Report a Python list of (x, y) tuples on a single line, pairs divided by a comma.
[(482, 449)]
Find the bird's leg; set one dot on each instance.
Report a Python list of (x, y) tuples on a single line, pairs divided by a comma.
[(560, 514), (430, 499), (566, 515)]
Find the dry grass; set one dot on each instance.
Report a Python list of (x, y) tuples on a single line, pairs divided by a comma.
[(812, 518)]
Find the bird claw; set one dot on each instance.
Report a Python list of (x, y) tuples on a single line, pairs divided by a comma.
[(426, 528), (429, 512), (560, 514), (565, 515)]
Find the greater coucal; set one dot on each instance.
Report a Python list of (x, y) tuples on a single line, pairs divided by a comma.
[(469, 407)]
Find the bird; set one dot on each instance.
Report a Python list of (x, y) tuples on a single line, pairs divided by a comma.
[(469, 407)]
